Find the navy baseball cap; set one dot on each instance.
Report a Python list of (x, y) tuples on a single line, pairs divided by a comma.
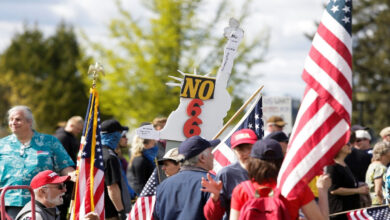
[(358, 127), (261, 148), (278, 136), (195, 145), (112, 125)]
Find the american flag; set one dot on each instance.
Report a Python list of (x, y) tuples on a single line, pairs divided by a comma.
[(144, 206), (323, 120), (374, 213), (89, 193), (223, 154)]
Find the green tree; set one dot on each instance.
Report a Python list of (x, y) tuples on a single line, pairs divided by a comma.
[(175, 37), (42, 74), (371, 62)]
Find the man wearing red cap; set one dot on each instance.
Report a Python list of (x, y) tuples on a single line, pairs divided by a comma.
[(230, 176), (48, 188)]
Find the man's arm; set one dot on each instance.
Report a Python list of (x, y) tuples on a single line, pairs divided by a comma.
[(114, 193)]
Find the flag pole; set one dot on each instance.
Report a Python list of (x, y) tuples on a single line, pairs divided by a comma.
[(93, 70), (238, 112)]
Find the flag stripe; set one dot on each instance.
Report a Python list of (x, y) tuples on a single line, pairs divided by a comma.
[(325, 93), (303, 166), (333, 72), (335, 43), (144, 206)]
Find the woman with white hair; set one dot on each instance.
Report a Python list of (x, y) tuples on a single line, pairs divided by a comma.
[(141, 163)]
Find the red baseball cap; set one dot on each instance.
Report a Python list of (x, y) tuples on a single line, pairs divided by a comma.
[(47, 177), (243, 136)]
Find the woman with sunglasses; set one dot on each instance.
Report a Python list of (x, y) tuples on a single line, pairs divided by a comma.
[(344, 191)]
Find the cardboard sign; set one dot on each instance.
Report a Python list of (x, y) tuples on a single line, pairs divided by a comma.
[(148, 132)]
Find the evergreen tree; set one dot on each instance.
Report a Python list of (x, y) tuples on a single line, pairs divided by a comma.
[(42, 74), (175, 37), (371, 62)]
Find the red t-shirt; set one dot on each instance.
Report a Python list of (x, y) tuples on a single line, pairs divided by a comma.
[(240, 196)]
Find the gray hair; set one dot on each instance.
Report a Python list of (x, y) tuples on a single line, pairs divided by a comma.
[(380, 149), (26, 112), (37, 189), (194, 160)]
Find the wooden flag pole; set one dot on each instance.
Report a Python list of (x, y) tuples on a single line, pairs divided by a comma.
[(238, 112)]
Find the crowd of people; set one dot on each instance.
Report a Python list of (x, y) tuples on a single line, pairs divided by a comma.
[(188, 188)]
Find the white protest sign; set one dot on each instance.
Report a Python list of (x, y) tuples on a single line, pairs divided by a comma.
[(148, 132), (278, 106), (204, 100)]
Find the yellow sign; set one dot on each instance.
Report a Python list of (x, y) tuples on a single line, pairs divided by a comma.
[(198, 87)]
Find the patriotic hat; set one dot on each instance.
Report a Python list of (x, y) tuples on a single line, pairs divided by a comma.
[(47, 177), (267, 149), (195, 145), (243, 136)]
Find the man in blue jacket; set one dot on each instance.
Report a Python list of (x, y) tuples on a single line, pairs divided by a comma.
[(179, 197)]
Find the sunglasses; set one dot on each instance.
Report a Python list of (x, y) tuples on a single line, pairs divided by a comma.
[(59, 186), (361, 139)]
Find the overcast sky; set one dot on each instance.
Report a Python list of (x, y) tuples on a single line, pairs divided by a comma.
[(287, 20)]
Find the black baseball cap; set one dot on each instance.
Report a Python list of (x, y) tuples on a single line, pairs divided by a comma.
[(278, 136), (112, 125)]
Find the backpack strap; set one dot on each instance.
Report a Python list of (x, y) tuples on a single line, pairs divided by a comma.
[(249, 188)]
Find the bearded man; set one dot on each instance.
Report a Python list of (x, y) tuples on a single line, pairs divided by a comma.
[(49, 188)]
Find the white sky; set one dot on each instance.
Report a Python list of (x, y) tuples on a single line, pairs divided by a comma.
[(287, 20)]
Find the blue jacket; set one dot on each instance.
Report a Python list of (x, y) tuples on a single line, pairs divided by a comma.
[(179, 196)]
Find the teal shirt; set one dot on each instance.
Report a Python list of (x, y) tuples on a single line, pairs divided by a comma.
[(44, 153)]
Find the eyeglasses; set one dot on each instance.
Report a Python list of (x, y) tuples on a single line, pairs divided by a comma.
[(59, 186)]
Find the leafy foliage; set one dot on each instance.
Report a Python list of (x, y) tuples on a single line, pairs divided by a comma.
[(42, 74), (371, 60)]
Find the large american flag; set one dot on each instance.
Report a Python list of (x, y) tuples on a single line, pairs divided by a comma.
[(223, 154), (89, 193), (374, 213), (323, 120), (144, 206)]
